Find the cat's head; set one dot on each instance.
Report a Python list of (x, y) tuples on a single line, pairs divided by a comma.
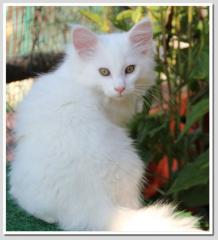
[(116, 64)]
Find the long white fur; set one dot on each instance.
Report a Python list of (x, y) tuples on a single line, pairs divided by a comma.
[(74, 164)]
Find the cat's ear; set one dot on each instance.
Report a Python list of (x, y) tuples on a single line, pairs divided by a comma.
[(84, 40), (140, 35)]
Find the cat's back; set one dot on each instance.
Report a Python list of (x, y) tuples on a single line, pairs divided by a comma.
[(46, 124), (50, 102)]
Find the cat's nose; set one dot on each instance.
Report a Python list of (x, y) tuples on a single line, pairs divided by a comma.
[(119, 89)]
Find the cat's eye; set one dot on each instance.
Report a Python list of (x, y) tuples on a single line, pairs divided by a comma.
[(129, 69), (104, 72)]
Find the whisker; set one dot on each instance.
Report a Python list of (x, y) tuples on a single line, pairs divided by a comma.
[(145, 100), (137, 94), (153, 95), (143, 86), (138, 88), (150, 94), (140, 91)]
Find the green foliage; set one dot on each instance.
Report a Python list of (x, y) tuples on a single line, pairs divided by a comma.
[(192, 174), (135, 14), (194, 197), (200, 70), (102, 23), (197, 112), (149, 133)]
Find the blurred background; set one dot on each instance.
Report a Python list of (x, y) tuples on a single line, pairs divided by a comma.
[(172, 132)]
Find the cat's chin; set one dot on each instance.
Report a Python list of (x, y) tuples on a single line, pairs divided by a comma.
[(119, 97)]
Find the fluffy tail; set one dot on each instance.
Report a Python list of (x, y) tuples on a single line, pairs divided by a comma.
[(154, 218)]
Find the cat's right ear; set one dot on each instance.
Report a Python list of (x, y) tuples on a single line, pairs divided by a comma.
[(140, 35), (84, 41)]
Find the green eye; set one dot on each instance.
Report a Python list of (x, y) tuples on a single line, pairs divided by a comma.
[(104, 72), (130, 69)]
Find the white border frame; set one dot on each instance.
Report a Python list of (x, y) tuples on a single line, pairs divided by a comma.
[(211, 87)]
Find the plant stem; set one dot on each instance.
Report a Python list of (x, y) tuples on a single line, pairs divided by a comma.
[(165, 52), (178, 73), (160, 83), (190, 16), (163, 26), (189, 67)]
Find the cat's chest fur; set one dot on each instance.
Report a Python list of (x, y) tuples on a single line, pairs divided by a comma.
[(121, 111)]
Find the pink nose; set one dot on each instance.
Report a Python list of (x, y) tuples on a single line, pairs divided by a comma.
[(119, 89)]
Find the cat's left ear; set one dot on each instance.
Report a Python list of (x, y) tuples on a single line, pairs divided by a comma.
[(141, 35), (84, 41)]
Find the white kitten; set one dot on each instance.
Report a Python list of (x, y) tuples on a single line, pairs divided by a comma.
[(74, 165)]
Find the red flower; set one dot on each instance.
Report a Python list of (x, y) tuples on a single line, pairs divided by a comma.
[(159, 175)]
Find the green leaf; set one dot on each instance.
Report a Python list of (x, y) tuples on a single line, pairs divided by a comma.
[(195, 197), (157, 129), (197, 112), (137, 14), (183, 214), (91, 16), (124, 15), (201, 66), (142, 132), (154, 15), (192, 174), (102, 23)]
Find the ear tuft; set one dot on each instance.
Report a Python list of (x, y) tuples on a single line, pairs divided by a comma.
[(84, 41), (140, 35)]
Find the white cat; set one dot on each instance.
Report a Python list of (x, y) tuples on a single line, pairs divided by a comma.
[(74, 164)]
